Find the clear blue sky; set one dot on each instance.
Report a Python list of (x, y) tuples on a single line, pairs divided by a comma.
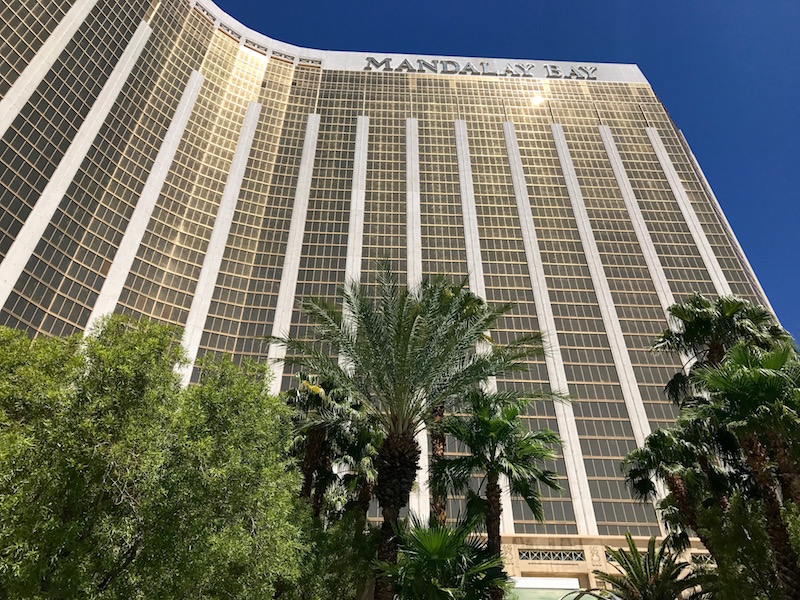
[(727, 71)]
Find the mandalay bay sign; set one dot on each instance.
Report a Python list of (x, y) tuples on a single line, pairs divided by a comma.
[(482, 67)]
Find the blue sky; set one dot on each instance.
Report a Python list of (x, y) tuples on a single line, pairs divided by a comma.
[(727, 71)]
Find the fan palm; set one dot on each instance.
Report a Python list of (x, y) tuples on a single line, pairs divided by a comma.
[(498, 444), (309, 399), (401, 354), (444, 563), (704, 329), (682, 457), (755, 394), (655, 575)]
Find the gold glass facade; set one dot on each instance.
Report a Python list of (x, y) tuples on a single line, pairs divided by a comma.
[(67, 269)]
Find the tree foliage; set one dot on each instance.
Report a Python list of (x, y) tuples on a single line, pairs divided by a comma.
[(499, 445), (656, 574), (397, 355), (117, 483), (730, 462), (438, 562)]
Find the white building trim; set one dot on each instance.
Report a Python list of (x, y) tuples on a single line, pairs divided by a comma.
[(701, 241), (420, 501), (35, 225), (30, 78), (477, 284), (413, 206), (660, 282), (585, 518), (204, 291), (137, 225), (659, 277), (616, 340), (472, 240), (294, 247), (355, 230)]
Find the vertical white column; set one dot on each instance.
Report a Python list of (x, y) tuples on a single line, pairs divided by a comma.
[(585, 518), (420, 501), (657, 273), (355, 230), (660, 282), (472, 245), (701, 241), (413, 208), (294, 246), (20, 251), (137, 225), (204, 291), (355, 226), (470, 216), (30, 78), (616, 340)]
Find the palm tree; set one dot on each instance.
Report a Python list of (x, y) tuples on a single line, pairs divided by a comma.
[(402, 354), (755, 394), (704, 329), (682, 457), (655, 575), (437, 562), (309, 399), (498, 444), (468, 305)]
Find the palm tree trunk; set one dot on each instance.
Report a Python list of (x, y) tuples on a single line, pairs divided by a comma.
[(678, 490), (722, 500), (438, 500), (788, 472), (315, 440), (494, 509), (785, 557), (396, 465), (387, 552), (323, 479), (716, 352), (364, 498)]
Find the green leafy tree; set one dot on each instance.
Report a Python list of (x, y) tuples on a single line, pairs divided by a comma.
[(117, 483), (499, 445), (658, 574), (402, 354)]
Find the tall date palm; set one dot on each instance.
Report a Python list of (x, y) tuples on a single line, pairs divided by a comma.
[(402, 353)]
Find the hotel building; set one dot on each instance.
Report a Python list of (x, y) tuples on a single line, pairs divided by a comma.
[(160, 159)]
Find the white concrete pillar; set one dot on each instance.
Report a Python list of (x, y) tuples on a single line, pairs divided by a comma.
[(35, 225), (294, 247), (616, 340), (477, 284), (137, 225), (721, 284), (30, 78), (206, 282), (420, 501), (583, 508)]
